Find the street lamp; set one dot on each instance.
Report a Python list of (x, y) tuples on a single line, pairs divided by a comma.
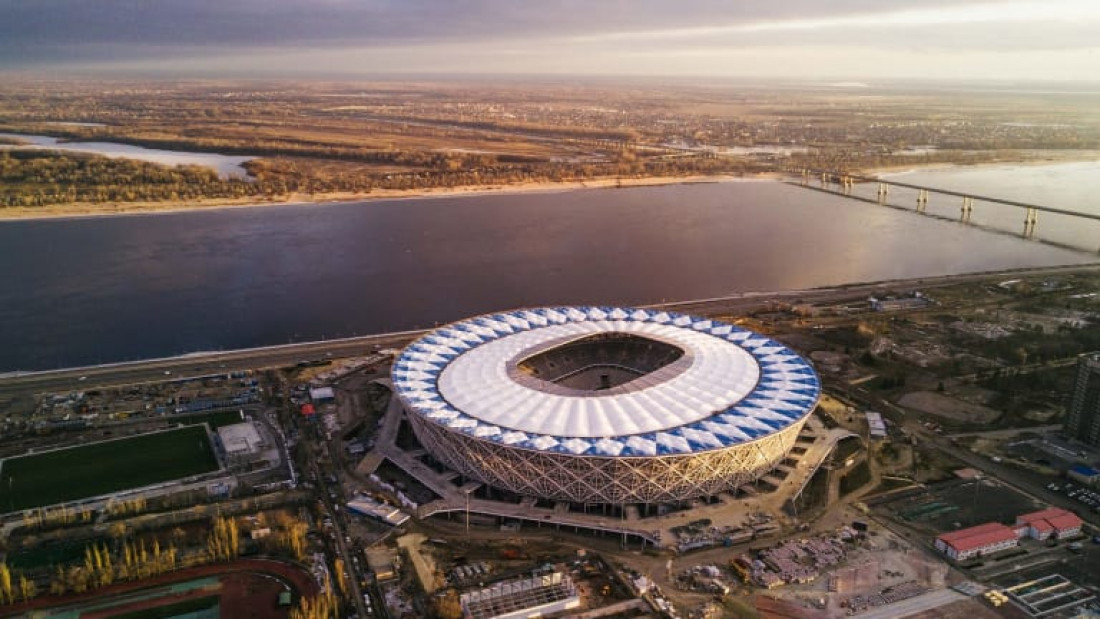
[(468, 515)]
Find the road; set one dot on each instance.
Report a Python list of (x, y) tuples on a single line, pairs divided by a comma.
[(914, 605), (332, 504), (198, 364), (1012, 477)]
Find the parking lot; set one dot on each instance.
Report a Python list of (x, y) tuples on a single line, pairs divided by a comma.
[(1088, 498)]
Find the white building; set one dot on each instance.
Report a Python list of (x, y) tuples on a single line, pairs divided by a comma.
[(241, 442), (520, 599)]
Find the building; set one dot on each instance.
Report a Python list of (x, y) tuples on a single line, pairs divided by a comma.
[(321, 394), (242, 443), (366, 506), (876, 425), (1054, 522), (893, 304), (382, 562), (605, 404), (1085, 475), (977, 541), (1083, 416), (539, 596)]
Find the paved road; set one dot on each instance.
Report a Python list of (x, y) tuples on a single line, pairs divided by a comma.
[(199, 364)]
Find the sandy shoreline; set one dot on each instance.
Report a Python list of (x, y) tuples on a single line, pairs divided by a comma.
[(86, 210)]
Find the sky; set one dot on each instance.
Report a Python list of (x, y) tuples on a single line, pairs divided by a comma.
[(1014, 40)]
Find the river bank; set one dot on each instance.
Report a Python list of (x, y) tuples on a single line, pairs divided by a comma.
[(80, 210), (88, 209)]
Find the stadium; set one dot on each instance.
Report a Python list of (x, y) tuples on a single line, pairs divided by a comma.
[(605, 404)]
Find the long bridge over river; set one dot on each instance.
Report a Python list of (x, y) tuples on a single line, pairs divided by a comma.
[(843, 183)]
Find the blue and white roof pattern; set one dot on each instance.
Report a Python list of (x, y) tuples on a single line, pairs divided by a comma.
[(740, 386)]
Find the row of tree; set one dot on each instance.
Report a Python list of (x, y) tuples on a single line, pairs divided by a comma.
[(22, 589), (41, 178)]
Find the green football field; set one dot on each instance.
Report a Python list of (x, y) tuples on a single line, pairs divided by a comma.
[(101, 468)]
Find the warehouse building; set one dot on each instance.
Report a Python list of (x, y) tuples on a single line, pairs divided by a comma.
[(539, 596), (1054, 523), (976, 541)]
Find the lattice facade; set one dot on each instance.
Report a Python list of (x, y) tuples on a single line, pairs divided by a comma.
[(594, 479)]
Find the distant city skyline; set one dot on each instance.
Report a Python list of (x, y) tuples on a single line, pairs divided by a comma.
[(798, 39)]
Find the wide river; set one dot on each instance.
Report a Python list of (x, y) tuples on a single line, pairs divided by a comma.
[(85, 291)]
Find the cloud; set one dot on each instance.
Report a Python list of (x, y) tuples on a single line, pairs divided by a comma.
[(363, 37)]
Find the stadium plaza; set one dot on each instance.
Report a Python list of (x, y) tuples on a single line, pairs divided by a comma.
[(615, 420)]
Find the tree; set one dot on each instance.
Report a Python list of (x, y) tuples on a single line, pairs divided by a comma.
[(27, 588)]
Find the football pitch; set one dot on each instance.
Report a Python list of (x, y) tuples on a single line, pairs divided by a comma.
[(101, 468)]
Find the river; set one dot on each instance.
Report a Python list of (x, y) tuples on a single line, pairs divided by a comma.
[(225, 165), (84, 291), (1073, 186)]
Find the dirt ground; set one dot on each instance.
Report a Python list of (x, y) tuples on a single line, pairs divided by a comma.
[(964, 609), (948, 408)]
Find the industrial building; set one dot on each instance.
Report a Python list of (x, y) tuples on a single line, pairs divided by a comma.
[(1083, 416), (1054, 522), (1051, 523), (1085, 475), (519, 599), (366, 506), (605, 404), (977, 541)]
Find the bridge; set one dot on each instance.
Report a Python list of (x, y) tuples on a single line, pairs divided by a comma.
[(842, 183)]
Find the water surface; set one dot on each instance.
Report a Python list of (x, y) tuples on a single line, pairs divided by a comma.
[(105, 289), (226, 165), (1073, 186)]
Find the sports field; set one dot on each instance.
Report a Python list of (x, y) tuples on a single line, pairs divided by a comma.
[(101, 468)]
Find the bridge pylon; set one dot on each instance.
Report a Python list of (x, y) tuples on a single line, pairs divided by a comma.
[(966, 210), (922, 200), (1031, 218)]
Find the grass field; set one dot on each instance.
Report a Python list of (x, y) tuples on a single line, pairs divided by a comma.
[(214, 420), (101, 468)]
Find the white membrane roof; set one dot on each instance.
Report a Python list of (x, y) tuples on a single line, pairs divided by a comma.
[(732, 386)]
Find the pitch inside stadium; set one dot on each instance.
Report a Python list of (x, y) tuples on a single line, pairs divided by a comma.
[(611, 405)]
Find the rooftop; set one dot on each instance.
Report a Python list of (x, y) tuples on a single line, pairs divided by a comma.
[(979, 536), (1052, 518), (240, 438), (729, 386)]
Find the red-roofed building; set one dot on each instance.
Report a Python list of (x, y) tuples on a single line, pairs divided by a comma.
[(977, 541), (308, 410), (1053, 522)]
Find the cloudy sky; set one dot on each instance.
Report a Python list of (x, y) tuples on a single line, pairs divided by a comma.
[(856, 39)]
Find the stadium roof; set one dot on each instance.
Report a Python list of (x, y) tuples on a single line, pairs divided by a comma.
[(732, 385)]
